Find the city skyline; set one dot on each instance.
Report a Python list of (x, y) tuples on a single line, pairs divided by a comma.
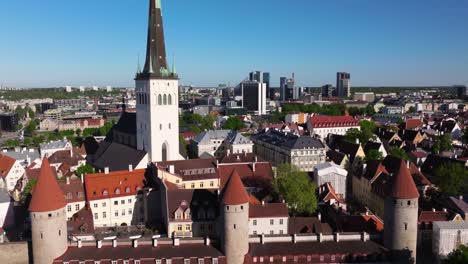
[(91, 43)]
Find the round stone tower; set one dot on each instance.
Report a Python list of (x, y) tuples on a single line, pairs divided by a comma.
[(401, 213), (48, 217), (235, 220)]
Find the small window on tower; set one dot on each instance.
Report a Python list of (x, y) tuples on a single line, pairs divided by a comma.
[(165, 99), (169, 100), (159, 99), (406, 226)]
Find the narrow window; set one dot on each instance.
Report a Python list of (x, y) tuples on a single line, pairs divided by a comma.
[(234, 226), (406, 226), (169, 100), (165, 100), (159, 99)]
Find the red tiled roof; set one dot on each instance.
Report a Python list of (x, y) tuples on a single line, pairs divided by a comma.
[(418, 154), (73, 191), (403, 184), (47, 195), (413, 123), (114, 184), (5, 165), (374, 220), (263, 171), (234, 193), (333, 121), (268, 210), (430, 216)]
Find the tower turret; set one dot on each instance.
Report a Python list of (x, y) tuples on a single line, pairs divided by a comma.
[(235, 220), (48, 217), (401, 213)]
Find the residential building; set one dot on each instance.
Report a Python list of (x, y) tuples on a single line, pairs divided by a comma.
[(218, 143), (333, 174), (297, 118), (268, 219), (117, 198), (7, 214), (393, 110), (343, 84), (49, 148), (279, 148), (447, 237), (74, 193), (11, 171), (254, 95), (324, 125), (367, 97)]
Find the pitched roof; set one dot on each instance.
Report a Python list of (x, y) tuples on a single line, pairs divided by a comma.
[(5, 165), (431, 216), (413, 123), (268, 210), (195, 199), (403, 184), (234, 192), (301, 225), (47, 195), (117, 156), (333, 121), (114, 184)]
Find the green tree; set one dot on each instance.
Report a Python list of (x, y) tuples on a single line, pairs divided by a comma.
[(234, 123), (364, 134), (78, 132), (459, 256), (411, 109), (296, 188), (399, 153), (83, 170), (31, 128), (195, 129), (451, 178), (373, 154), (31, 113), (27, 189)]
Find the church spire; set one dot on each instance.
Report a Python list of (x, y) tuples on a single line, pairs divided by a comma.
[(156, 62)]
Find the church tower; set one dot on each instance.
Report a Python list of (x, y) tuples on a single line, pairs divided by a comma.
[(401, 213), (157, 93), (235, 220), (48, 218)]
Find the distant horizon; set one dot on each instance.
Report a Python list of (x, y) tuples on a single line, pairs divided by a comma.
[(392, 44)]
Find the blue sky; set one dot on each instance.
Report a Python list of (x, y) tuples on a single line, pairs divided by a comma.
[(380, 42)]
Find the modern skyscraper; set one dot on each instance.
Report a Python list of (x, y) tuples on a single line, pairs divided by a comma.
[(254, 96), (327, 90), (283, 81), (461, 91), (287, 89), (157, 92), (343, 84)]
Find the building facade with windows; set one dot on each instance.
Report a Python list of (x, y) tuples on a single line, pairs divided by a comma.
[(324, 125), (116, 198), (219, 143)]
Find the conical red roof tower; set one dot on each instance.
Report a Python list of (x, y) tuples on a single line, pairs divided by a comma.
[(403, 184), (234, 192), (47, 195)]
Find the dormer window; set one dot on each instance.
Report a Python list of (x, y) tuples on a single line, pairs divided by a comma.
[(127, 190), (117, 191), (178, 215), (105, 192)]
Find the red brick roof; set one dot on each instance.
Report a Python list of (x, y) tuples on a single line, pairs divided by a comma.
[(403, 184), (413, 123), (5, 165), (333, 121), (234, 193), (47, 195), (430, 216), (115, 184), (268, 210)]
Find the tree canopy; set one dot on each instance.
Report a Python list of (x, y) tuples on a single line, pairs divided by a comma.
[(459, 256), (234, 123), (442, 143), (399, 153), (373, 154), (364, 134), (452, 178), (83, 170), (297, 189)]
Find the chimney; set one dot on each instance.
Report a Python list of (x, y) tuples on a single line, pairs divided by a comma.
[(364, 236), (135, 243), (207, 241), (176, 242), (337, 237), (408, 164), (263, 202), (80, 244), (171, 169), (445, 210), (217, 164), (253, 167), (68, 180), (460, 197), (262, 239), (319, 216), (114, 243), (106, 170), (99, 243), (320, 237), (433, 210), (357, 141), (130, 167), (155, 242), (82, 178)]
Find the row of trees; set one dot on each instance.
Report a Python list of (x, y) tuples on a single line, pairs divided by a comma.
[(197, 123)]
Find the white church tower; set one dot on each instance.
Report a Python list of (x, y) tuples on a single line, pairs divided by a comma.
[(157, 92)]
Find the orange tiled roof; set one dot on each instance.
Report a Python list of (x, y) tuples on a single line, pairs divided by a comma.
[(403, 184), (5, 165), (234, 193), (47, 195), (114, 184)]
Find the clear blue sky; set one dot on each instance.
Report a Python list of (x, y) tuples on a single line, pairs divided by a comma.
[(380, 42)]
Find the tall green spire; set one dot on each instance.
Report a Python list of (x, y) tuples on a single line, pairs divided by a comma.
[(174, 72)]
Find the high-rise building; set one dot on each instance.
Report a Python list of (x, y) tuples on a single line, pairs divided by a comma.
[(327, 90), (254, 96), (287, 89), (8, 121), (157, 92), (461, 91), (343, 84)]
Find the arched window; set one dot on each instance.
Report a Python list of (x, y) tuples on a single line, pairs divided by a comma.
[(127, 190), (165, 100), (117, 191), (159, 100), (169, 99)]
